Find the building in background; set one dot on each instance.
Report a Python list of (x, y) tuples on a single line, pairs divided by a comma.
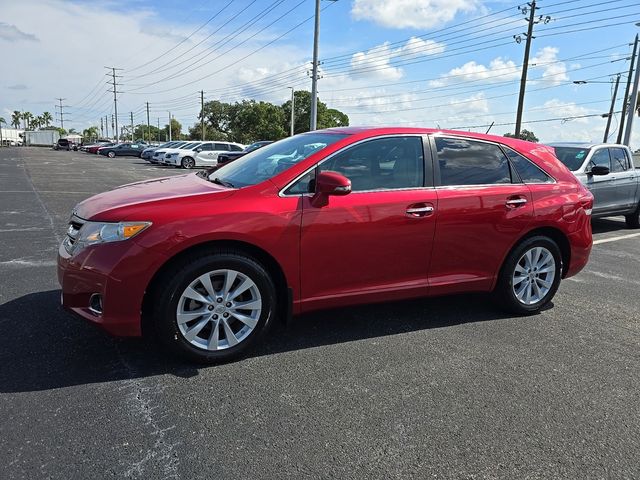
[(11, 136)]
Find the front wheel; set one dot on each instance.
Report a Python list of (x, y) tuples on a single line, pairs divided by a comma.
[(213, 307), (111, 154), (188, 162), (633, 219), (530, 276)]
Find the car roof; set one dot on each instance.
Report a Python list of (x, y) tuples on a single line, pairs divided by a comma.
[(583, 144)]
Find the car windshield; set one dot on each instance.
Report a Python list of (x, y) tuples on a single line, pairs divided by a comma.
[(252, 147), (572, 157), (265, 162), (187, 146)]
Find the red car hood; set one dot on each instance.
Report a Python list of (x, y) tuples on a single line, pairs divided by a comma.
[(157, 190)]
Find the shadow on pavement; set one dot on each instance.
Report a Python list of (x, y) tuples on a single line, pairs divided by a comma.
[(604, 225), (43, 347)]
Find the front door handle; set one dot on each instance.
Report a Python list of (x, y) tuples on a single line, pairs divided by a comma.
[(419, 210), (516, 202)]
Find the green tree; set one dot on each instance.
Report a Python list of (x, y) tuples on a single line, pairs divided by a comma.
[(217, 118), (91, 133), (327, 117), (16, 118), (140, 133), (524, 135), (251, 121), (176, 129), (47, 118), (27, 117), (195, 133)]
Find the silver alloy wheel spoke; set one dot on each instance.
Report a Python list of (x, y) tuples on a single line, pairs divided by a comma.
[(219, 309), (533, 275)]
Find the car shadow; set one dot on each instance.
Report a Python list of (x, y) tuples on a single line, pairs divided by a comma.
[(604, 225), (44, 347)]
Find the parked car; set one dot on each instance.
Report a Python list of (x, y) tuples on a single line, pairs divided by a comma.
[(208, 157), (231, 156), (63, 144), (373, 215), (608, 171), (158, 155), (98, 146), (182, 156), (122, 149), (147, 153)]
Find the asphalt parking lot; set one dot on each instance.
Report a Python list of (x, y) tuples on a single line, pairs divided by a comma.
[(435, 388)]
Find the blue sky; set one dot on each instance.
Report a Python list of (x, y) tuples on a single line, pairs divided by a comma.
[(452, 63)]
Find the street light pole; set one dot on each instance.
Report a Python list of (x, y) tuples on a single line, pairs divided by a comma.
[(626, 99), (633, 103), (613, 103)]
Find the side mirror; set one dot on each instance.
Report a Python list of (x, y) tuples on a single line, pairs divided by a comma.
[(599, 170), (327, 184), (198, 149)]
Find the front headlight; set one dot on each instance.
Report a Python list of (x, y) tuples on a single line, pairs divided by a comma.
[(93, 233)]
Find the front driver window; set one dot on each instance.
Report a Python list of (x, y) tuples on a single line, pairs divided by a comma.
[(380, 164), (601, 158)]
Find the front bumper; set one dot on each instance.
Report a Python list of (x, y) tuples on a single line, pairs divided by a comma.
[(171, 161), (120, 272)]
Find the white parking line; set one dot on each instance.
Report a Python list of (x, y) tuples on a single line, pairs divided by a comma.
[(615, 239)]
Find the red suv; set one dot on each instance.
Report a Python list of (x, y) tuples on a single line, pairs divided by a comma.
[(344, 216)]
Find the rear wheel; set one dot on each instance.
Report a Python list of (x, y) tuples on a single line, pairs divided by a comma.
[(213, 307), (530, 276), (188, 162), (633, 219)]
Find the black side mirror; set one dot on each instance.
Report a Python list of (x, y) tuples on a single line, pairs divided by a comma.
[(599, 170)]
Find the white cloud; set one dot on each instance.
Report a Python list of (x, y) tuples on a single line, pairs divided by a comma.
[(417, 14), (498, 70), (375, 63), (558, 108), (11, 33), (472, 105), (553, 72)]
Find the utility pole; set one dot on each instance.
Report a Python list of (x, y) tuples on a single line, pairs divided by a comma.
[(613, 104), (633, 99), (531, 10), (148, 125), (61, 107), (106, 125), (158, 139), (314, 71), (626, 98), (115, 96), (101, 127), (170, 126), (113, 131), (202, 112), (293, 106), (131, 126)]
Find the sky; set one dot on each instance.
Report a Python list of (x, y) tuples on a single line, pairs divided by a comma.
[(430, 63)]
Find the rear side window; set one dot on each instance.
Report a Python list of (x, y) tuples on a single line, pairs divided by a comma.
[(619, 161), (468, 162), (206, 147), (235, 148), (221, 146), (526, 169)]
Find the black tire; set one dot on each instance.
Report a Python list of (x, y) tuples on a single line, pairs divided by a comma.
[(188, 163), (111, 154), (633, 219), (172, 285), (504, 292)]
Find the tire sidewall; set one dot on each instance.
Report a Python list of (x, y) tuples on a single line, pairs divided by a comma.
[(111, 154), (188, 163), (505, 286), (167, 303)]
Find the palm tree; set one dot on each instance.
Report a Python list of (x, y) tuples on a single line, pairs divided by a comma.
[(72, 130), (47, 118), (27, 117), (16, 116)]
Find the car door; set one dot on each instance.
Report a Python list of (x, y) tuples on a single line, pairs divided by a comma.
[(602, 186), (482, 209), (624, 178), (204, 156), (375, 243)]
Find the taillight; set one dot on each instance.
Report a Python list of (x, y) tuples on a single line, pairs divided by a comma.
[(586, 200)]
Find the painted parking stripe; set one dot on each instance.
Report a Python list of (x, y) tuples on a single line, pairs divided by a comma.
[(615, 239)]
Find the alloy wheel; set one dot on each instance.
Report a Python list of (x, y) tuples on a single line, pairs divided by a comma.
[(219, 310), (533, 275)]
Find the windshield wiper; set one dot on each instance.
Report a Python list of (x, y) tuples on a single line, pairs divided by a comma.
[(223, 183)]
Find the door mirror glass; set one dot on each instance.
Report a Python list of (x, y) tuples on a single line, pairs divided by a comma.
[(199, 149), (599, 170)]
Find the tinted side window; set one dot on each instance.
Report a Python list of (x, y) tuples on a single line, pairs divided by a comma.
[(527, 170), (383, 163), (206, 147), (601, 158), (619, 161), (236, 148), (467, 162), (221, 146)]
